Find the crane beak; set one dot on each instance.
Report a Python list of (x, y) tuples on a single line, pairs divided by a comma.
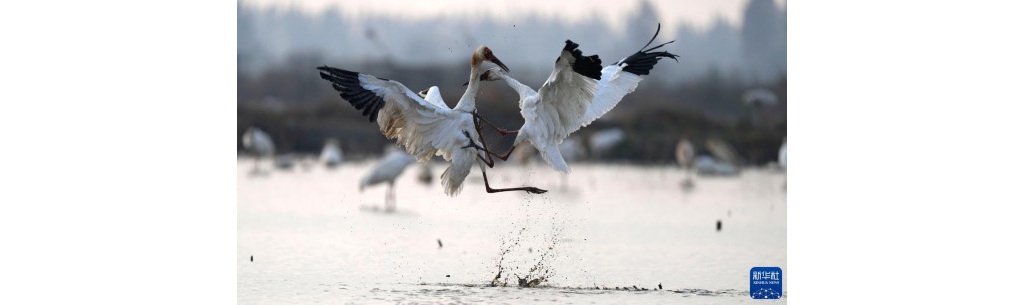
[(494, 60), (498, 62)]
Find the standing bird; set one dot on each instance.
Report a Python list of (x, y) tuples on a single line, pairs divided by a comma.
[(331, 154), (723, 151), (259, 143), (424, 128), (603, 141), (576, 93), (782, 155), (760, 97), (685, 155), (387, 170), (782, 160)]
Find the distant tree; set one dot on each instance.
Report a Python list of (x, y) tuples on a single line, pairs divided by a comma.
[(640, 27), (764, 39)]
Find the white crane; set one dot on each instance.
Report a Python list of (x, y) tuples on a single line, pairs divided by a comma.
[(258, 143), (782, 159), (760, 97), (782, 155), (387, 170), (726, 161), (711, 166), (433, 95), (576, 93), (603, 141), (723, 151), (331, 154), (685, 154), (424, 128)]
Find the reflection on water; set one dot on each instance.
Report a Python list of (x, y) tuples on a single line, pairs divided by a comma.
[(316, 238)]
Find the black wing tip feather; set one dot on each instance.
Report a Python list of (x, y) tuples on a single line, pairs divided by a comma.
[(589, 66), (348, 87), (333, 70), (642, 62), (570, 46)]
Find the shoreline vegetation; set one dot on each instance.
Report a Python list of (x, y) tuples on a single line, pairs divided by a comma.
[(301, 114)]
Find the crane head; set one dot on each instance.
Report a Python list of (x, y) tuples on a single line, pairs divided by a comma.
[(483, 53), (492, 74)]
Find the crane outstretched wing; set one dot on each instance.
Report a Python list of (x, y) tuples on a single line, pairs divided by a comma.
[(568, 92), (576, 94), (425, 129), (620, 79)]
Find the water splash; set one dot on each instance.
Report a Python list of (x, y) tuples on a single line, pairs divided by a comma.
[(512, 255)]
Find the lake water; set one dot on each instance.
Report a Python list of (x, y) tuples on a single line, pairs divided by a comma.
[(315, 238)]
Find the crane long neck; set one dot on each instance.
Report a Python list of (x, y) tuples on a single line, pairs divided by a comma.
[(523, 90), (468, 101)]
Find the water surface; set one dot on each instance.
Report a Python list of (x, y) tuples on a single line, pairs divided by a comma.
[(315, 238)]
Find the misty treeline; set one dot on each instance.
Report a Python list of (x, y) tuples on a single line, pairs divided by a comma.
[(280, 91)]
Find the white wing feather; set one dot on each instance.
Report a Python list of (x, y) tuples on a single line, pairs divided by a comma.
[(564, 98), (426, 129), (423, 128), (571, 98), (614, 85)]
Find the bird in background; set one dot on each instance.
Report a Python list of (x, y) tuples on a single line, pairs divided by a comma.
[(603, 141), (387, 170), (331, 154), (686, 153), (782, 155), (577, 92), (423, 128), (782, 160), (259, 144)]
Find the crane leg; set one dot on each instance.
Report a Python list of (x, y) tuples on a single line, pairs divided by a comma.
[(502, 131), (488, 160), (487, 152), (506, 155), (528, 189)]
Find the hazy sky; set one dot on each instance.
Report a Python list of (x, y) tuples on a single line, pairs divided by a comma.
[(672, 12)]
